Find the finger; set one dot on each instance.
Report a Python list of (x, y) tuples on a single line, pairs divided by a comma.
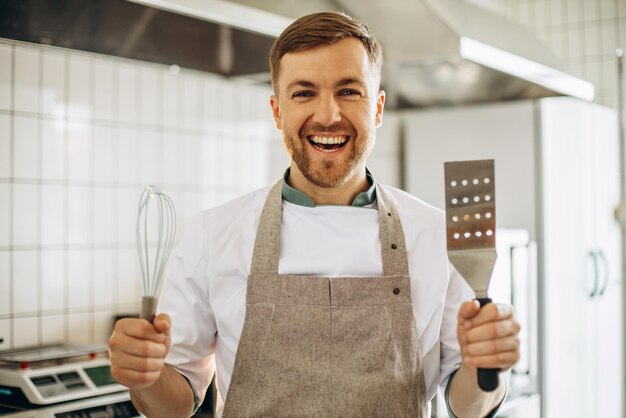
[(136, 347), (139, 364), (484, 348), (134, 379), (492, 331), (139, 328), (503, 361), (491, 312), (468, 310), (163, 324)]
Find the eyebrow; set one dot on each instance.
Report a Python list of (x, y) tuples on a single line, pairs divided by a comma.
[(350, 80), (309, 84)]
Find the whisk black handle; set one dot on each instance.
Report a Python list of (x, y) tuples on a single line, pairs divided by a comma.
[(148, 308), (488, 379)]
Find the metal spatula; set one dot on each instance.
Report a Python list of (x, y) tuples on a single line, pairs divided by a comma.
[(471, 232)]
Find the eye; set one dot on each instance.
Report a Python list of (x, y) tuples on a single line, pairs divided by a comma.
[(349, 92), (301, 94)]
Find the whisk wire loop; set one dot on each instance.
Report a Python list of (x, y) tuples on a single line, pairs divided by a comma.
[(153, 265)]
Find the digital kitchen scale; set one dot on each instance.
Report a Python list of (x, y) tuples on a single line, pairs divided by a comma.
[(45, 375)]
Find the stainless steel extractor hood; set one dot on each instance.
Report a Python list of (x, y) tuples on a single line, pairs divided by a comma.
[(437, 52), (450, 51)]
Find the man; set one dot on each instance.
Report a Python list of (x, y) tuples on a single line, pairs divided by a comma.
[(326, 294)]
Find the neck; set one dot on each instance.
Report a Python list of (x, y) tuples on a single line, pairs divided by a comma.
[(340, 195)]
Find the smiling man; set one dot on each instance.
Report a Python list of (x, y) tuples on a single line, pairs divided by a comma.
[(326, 294)]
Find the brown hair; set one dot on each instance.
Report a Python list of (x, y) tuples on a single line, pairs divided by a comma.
[(323, 28)]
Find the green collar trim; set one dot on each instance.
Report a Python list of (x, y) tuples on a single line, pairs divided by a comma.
[(297, 197)]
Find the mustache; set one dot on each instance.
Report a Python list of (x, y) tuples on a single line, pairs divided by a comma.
[(325, 129)]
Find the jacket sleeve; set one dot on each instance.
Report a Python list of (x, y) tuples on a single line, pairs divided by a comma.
[(185, 298), (458, 292)]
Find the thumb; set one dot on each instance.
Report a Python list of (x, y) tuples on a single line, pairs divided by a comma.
[(468, 310), (163, 324)]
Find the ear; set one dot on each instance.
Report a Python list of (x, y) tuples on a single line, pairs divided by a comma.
[(380, 104), (276, 112)]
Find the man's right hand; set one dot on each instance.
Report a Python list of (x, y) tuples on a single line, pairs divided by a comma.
[(137, 351)]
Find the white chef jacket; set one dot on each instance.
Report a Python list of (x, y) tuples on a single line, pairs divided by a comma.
[(205, 289)]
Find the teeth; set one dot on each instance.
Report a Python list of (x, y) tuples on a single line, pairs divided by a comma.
[(329, 139)]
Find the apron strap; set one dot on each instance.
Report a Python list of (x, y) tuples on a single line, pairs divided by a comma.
[(392, 242), (267, 243)]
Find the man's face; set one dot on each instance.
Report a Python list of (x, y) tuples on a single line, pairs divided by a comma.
[(328, 106)]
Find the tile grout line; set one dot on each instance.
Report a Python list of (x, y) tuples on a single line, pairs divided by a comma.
[(227, 133), (11, 206), (116, 216), (92, 255), (40, 200), (140, 167), (66, 198)]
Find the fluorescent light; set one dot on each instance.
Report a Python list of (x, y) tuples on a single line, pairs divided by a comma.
[(526, 69), (227, 13)]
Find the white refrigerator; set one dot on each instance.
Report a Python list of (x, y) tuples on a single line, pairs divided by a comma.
[(557, 177)]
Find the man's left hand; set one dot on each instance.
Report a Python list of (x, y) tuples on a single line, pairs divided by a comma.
[(489, 336)]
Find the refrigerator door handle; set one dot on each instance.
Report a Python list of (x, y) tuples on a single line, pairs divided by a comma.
[(605, 265), (594, 258)]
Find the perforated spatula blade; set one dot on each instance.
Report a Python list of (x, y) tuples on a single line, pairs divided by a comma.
[(471, 232)]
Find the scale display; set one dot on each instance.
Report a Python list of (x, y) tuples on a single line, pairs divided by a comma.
[(100, 375)]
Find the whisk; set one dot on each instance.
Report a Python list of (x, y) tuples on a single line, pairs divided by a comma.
[(162, 233)]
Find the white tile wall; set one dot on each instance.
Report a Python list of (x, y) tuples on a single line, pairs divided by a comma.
[(172, 157), (5, 215), (79, 279), (128, 277), (5, 145), (53, 284), (191, 103), (150, 96), (6, 71), (25, 214), (53, 83), (80, 330), (26, 85), (52, 329), (5, 285), (104, 219), (80, 215), (104, 92), (80, 151), (53, 204), (79, 140), (53, 149), (105, 153), (26, 291), (104, 278), (128, 156), (127, 202), (127, 93), (80, 86), (6, 340), (26, 149), (102, 325), (170, 97), (151, 151), (26, 332)]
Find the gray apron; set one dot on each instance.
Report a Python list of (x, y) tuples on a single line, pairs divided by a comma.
[(327, 346)]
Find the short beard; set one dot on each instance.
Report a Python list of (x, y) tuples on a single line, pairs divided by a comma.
[(328, 173)]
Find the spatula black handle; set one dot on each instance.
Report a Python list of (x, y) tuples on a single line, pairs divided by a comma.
[(488, 379)]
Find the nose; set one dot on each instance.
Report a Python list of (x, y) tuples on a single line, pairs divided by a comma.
[(327, 111)]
